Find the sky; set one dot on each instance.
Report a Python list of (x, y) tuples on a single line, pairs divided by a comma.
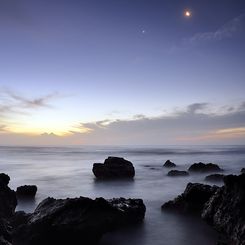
[(76, 72)]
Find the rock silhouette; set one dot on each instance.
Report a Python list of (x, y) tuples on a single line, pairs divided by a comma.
[(204, 167), (114, 168), (77, 220), (169, 164)]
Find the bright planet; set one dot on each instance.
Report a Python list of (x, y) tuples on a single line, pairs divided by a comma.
[(188, 13)]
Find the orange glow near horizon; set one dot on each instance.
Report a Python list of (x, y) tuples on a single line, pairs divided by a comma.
[(228, 133), (35, 130)]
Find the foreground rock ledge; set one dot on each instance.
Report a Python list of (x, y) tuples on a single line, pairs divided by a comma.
[(193, 198), (222, 207), (77, 220), (225, 210), (114, 168)]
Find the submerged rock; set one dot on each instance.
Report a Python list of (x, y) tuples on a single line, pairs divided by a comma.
[(114, 167), (204, 167), (177, 173), (193, 198), (77, 220), (225, 210), (26, 191), (169, 164), (215, 177)]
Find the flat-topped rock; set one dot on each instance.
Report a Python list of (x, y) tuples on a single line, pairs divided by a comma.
[(177, 173), (204, 167), (26, 191), (113, 168), (225, 210), (193, 198), (169, 164), (77, 220)]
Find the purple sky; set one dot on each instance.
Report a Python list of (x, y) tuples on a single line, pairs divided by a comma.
[(122, 72)]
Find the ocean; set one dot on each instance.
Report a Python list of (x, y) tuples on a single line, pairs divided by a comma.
[(63, 172)]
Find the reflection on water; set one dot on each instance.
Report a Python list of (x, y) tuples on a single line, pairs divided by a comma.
[(66, 172)]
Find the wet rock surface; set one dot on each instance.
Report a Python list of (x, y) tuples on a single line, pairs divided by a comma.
[(193, 198), (114, 168), (77, 220), (225, 210)]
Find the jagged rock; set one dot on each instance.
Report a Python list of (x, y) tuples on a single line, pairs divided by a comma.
[(26, 191), (4, 179), (193, 198), (204, 167), (169, 164), (177, 173), (19, 218), (215, 177), (8, 201), (5, 232), (77, 220), (114, 167), (243, 170), (225, 210)]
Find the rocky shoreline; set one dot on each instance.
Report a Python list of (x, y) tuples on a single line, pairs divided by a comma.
[(84, 221)]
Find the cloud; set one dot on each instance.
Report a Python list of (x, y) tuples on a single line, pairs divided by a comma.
[(228, 30), (195, 107), (191, 124), (30, 103), (194, 124), (3, 128), (15, 103)]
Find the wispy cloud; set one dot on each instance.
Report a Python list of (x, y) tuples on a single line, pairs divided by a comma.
[(22, 101), (14, 103), (195, 123), (228, 30)]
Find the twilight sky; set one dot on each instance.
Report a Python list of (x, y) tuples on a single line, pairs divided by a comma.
[(122, 72)]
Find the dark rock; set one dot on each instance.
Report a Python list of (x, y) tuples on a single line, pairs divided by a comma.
[(243, 170), (8, 201), (215, 177), (4, 179), (19, 218), (169, 164), (77, 220), (204, 167), (114, 167), (5, 232), (26, 191), (193, 198), (225, 210), (177, 173)]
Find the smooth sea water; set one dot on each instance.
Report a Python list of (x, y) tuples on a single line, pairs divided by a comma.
[(63, 172)]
